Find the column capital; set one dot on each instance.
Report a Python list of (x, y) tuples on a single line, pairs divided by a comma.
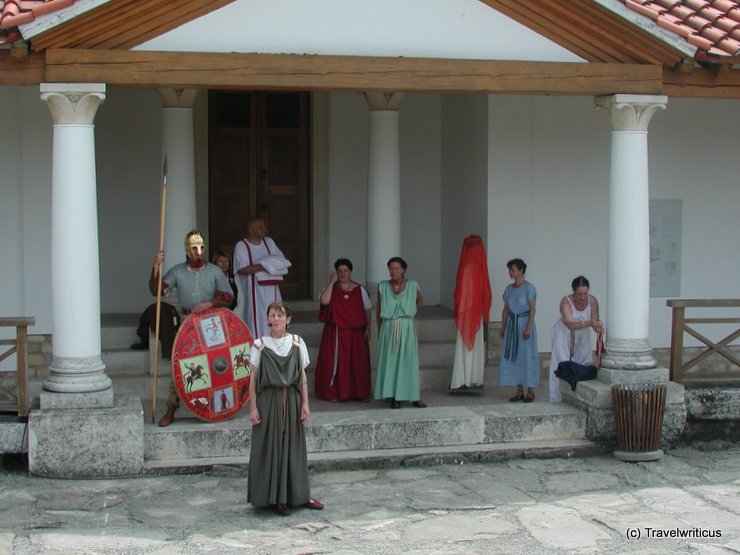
[(386, 101), (73, 102), (630, 112), (178, 98)]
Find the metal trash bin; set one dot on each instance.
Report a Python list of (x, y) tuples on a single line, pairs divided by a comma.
[(638, 418)]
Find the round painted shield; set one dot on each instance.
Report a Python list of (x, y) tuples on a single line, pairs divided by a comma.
[(210, 363)]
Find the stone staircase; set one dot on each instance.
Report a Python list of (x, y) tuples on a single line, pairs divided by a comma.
[(130, 370), (384, 437), (354, 435)]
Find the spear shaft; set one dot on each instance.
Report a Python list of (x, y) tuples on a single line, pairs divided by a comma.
[(155, 362)]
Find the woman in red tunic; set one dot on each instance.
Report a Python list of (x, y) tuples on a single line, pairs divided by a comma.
[(343, 364)]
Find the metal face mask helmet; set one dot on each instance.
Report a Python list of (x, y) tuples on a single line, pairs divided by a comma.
[(195, 245)]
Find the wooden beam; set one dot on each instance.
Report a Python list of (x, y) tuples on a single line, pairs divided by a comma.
[(21, 71), (124, 23), (589, 30), (346, 73), (701, 83)]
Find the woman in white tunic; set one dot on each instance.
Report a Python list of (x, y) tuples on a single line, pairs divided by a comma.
[(572, 338)]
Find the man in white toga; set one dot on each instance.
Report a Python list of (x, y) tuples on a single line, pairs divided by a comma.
[(260, 266)]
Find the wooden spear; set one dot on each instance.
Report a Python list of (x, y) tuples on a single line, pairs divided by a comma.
[(155, 364)]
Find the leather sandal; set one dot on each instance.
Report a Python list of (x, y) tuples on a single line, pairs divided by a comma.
[(419, 404), (395, 404), (529, 398), (314, 505), (282, 510), (518, 397)]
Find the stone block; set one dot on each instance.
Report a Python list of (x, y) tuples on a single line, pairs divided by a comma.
[(506, 423), (652, 375), (428, 432), (36, 359), (600, 422), (599, 394), (12, 435), (87, 442), (338, 436), (713, 403), (192, 439)]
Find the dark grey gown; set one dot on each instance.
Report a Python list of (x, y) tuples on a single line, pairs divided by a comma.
[(278, 467)]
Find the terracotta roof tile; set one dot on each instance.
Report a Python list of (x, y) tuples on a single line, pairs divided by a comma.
[(640, 7), (697, 22), (712, 14), (726, 24), (18, 12), (701, 42), (711, 25)]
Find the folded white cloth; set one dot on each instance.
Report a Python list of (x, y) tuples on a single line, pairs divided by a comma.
[(275, 265)]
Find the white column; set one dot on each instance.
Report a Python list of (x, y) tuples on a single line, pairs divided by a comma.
[(628, 259), (76, 367), (383, 186), (178, 144)]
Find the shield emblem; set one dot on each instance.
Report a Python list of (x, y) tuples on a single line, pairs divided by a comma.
[(210, 364)]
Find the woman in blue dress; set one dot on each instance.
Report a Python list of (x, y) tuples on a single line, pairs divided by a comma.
[(520, 361)]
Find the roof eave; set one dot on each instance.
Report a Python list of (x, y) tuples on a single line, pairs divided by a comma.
[(48, 21), (648, 26)]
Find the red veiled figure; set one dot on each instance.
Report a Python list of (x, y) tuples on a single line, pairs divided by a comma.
[(343, 363), (472, 305)]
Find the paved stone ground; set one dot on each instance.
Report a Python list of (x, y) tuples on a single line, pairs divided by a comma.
[(591, 505)]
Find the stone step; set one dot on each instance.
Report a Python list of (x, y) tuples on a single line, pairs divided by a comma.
[(118, 331), (12, 435), (435, 376), (435, 353), (433, 323), (129, 370), (410, 456), (133, 377), (436, 329), (125, 362), (375, 430)]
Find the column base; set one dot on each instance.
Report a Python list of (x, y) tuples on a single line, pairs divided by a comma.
[(94, 400), (628, 354), (595, 399), (77, 383), (87, 442)]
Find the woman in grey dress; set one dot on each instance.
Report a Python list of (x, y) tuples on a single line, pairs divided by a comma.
[(278, 410)]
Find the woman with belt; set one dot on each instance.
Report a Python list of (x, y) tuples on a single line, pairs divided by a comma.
[(520, 361), (278, 411), (397, 373), (343, 363)]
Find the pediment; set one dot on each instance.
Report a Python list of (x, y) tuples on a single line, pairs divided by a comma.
[(464, 29)]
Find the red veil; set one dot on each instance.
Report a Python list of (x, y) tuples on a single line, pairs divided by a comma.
[(472, 290)]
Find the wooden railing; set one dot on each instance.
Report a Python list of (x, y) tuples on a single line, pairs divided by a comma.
[(19, 347), (681, 324)]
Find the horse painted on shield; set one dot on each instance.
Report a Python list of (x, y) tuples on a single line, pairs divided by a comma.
[(194, 373)]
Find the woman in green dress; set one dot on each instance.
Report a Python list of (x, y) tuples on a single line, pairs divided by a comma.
[(278, 410), (397, 371)]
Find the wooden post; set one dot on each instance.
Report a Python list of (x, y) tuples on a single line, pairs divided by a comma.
[(676, 360), (22, 370)]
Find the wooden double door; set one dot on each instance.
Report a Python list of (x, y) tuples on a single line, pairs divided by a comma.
[(259, 166)]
